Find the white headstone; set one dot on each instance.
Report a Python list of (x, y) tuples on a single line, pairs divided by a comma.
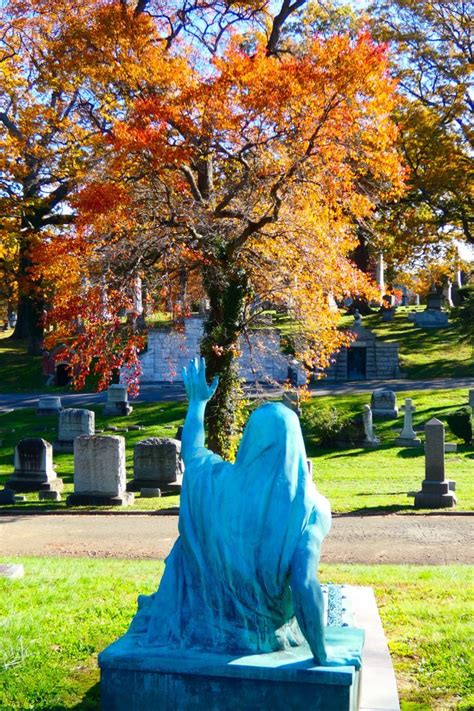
[(73, 422), (408, 436), (117, 400), (99, 465), (370, 437)]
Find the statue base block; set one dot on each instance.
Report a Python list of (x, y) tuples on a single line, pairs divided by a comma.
[(134, 678)]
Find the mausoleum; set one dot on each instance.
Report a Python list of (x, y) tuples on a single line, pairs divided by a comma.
[(366, 358)]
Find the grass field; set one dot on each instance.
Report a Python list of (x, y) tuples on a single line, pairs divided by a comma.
[(353, 479), (57, 618)]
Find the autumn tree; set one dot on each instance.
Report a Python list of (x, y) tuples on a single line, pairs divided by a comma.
[(432, 57), (245, 166)]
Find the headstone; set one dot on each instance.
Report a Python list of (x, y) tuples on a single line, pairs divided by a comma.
[(34, 471), (450, 447), (49, 496), (471, 398), (383, 403), (370, 438), (117, 401), (417, 299), (436, 492), (292, 400), (49, 405), (157, 464), (99, 472), (12, 571), (432, 316), (150, 492), (7, 497), (408, 436), (73, 422)]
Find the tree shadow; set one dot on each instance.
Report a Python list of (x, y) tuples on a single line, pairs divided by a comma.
[(411, 452)]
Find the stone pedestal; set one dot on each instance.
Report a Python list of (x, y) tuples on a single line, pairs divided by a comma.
[(73, 422), (34, 467), (99, 472), (134, 679), (436, 492), (117, 401), (157, 464)]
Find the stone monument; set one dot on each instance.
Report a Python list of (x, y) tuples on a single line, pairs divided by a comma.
[(99, 472), (436, 492), (73, 422), (239, 620), (49, 405), (34, 467), (117, 401), (383, 403), (408, 436), (471, 399), (432, 316), (157, 465), (370, 439)]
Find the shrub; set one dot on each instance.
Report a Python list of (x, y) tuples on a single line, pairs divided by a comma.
[(461, 423), (328, 426)]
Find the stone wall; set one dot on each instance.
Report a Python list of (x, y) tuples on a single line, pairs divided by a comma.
[(169, 350)]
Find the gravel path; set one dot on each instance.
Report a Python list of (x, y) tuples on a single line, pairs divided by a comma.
[(434, 539)]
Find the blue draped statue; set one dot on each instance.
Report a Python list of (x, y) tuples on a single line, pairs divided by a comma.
[(241, 577)]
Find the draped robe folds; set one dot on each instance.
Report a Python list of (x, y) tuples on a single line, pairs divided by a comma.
[(226, 585)]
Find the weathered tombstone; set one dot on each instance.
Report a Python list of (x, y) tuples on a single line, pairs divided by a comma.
[(292, 400), (49, 405), (73, 422), (150, 492), (99, 472), (471, 398), (436, 492), (296, 373), (117, 400), (408, 436), (383, 403), (34, 467), (370, 438), (49, 496), (157, 464)]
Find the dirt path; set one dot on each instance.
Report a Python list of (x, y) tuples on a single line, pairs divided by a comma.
[(433, 539)]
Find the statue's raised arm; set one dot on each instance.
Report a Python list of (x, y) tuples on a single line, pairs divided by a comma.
[(199, 393)]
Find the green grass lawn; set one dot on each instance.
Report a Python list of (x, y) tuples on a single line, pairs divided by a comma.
[(57, 618), (353, 479)]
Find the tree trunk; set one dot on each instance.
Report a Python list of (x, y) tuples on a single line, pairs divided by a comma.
[(30, 306), (227, 296)]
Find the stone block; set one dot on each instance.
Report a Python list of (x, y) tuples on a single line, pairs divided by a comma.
[(383, 404), (49, 496), (34, 471), (99, 472), (49, 405), (73, 422), (7, 497), (150, 493), (157, 464)]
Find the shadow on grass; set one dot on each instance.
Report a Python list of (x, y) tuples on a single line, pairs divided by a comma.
[(411, 453), (89, 702), (376, 510)]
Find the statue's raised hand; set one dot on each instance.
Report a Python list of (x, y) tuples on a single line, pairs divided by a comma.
[(194, 378)]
